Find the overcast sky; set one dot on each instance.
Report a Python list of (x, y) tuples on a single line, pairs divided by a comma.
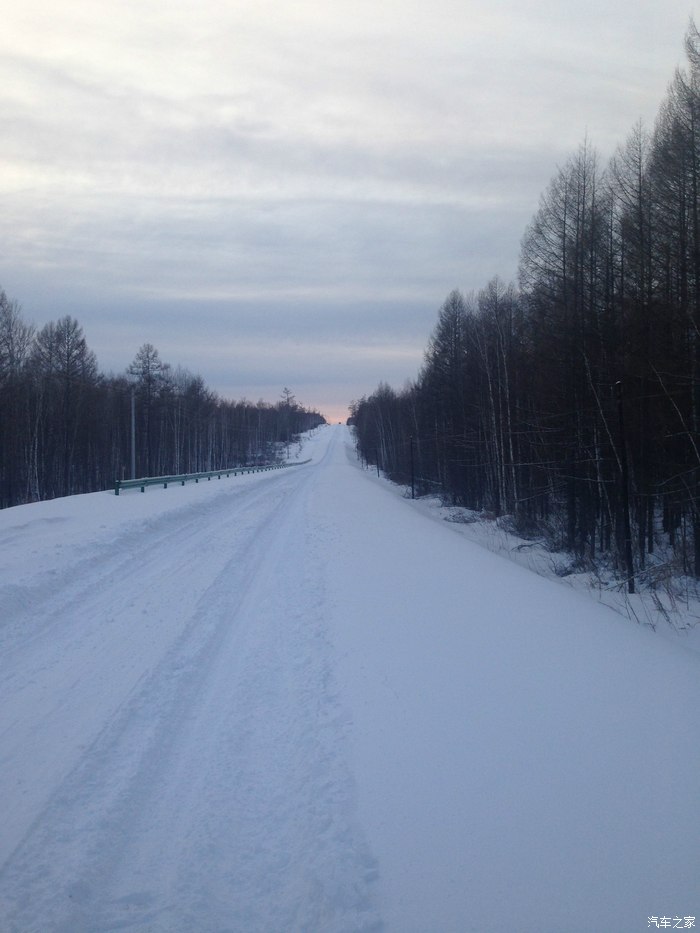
[(280, 193)]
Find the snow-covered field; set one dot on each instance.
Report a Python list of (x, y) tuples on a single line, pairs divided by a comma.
[(292, 701)]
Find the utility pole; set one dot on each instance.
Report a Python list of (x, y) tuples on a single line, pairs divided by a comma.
[(133, 433)]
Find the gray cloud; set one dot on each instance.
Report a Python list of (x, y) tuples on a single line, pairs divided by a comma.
[(285, 193)]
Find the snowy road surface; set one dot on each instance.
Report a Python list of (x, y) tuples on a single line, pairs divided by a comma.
[(292, 702)]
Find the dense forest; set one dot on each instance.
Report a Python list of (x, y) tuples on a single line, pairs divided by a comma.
[(571, 403), (66, 428)]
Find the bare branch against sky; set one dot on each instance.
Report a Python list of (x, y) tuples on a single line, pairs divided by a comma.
[(283, 193)]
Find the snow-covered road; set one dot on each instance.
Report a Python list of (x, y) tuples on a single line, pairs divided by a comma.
[(290, 701)]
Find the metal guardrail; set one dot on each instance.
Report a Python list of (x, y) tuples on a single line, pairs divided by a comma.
[(182, 478)]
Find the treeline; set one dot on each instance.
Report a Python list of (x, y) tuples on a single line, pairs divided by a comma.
[(66, 428), (572, 403)]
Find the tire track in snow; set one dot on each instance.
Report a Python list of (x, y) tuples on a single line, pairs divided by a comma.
[(41, 604), (113, 617), (217, 796)]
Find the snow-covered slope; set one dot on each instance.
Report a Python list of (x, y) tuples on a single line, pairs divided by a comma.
[(290, 701)]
